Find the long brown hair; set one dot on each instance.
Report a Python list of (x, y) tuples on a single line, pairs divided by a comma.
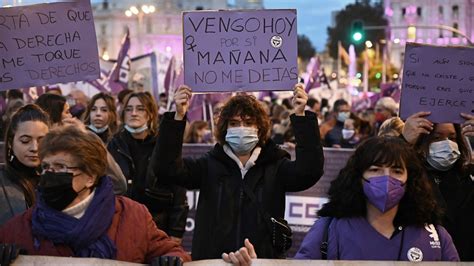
[(112, 110), (29, 112), (150, 106)]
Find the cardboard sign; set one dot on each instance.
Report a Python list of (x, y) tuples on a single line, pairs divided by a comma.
[(440, 80), (47, 44), (240, 50)]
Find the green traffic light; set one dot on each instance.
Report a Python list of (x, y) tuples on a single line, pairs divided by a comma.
[(378, 75), (357, 36)]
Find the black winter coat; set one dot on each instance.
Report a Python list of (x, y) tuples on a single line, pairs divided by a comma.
[(455, 194), (167, 204), (225, 215)]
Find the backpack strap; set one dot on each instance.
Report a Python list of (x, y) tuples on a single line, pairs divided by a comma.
[(323, 248)]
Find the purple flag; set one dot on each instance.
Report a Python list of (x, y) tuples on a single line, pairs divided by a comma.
[(170, 75), (313, 70), (196, 108), (118, 78)]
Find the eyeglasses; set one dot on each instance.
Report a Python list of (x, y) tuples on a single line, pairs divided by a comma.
[(138, 109), (57, 168)]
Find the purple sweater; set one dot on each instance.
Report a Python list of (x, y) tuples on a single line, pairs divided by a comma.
[(356, 239)]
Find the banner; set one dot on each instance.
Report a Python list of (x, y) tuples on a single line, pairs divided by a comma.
[(47, 44), (439, 80), (250, 50)]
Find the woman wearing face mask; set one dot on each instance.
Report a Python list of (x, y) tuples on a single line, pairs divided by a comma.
[(380, 208), (20, 176), (350, 133), (77, 213), (244, 159), (101, 116), (132, 148), (447, 159)]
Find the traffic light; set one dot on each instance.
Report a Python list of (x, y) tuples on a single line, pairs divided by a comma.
[(357, 31)]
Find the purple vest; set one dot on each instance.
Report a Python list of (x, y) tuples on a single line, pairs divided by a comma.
[(356, 239)]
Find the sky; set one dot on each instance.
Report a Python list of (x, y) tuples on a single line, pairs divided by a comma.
[(314, 16)]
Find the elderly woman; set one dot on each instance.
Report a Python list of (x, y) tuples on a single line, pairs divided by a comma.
[(77, 213)]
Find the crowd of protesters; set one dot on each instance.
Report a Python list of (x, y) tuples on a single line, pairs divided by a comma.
[(105, 178)]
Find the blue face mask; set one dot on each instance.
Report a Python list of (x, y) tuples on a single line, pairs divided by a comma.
[(242, 140), (136, 130), (383, 192), (342, 116), (98, 130)]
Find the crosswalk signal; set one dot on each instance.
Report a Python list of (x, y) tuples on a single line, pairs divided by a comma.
[(357, 30)]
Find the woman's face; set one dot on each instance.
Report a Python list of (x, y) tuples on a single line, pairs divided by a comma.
[(135, 113), (444, 131), (26, 141), (99, 116), (64, 162), (399, 173), (66, 113)]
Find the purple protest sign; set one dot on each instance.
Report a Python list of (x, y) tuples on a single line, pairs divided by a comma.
[(440, 80), (251, 50), (47, 44)]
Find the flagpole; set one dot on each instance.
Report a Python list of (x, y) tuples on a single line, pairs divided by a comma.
[(338, 62)]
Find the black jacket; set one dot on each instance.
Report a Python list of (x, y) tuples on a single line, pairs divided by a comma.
[(334, 136), (225, 215), (455, 193), (167, 204)]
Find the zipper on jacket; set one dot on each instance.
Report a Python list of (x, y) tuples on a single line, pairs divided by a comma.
[(239, 219)]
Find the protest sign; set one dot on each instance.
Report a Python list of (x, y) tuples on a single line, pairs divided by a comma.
[(46, 44), (250, 50), (439, 80)]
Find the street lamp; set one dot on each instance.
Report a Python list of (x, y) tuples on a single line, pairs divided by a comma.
[(140, 12)]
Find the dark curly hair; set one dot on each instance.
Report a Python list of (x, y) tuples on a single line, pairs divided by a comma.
[(244, 106), (346, 196), (422, 146)]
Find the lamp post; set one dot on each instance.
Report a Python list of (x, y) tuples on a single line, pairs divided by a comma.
[(140, 13)]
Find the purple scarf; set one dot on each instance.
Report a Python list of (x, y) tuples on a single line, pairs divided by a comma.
[(86, 236)]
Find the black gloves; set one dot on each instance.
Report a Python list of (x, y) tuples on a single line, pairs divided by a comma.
[(8, 253), (167, 261)]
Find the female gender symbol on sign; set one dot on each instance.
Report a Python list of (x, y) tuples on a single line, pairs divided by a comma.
[(190, 42)]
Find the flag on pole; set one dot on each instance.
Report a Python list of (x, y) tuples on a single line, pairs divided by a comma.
[(343, 53), (118, 78), (313, 69)]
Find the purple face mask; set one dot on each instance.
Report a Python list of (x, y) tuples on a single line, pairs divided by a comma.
[(384, 192)]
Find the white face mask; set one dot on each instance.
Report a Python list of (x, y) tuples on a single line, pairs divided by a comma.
[(98, 130), (347, 133), (136, 130), (242, 140), (443, 154)]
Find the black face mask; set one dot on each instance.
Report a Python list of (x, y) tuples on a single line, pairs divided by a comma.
[(56, 189)]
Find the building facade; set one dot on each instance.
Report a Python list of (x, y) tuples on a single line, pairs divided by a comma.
[(427, 21), (158, 31)]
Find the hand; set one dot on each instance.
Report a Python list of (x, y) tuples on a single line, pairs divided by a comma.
[(8, 253), (243, 256), (72, 121), (299, 99), (176, 239), (415, 125), (468, 125), (182, 99), (166, 261)]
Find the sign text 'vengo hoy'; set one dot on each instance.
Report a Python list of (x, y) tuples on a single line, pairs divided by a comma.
[(240, 50), (46, 44), (439, 80)]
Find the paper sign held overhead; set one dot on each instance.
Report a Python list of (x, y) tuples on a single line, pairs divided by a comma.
[(249, 50), (47, 44), (440, 80)]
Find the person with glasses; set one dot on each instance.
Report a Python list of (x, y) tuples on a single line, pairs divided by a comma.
[(131, 148), (77, 213)]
